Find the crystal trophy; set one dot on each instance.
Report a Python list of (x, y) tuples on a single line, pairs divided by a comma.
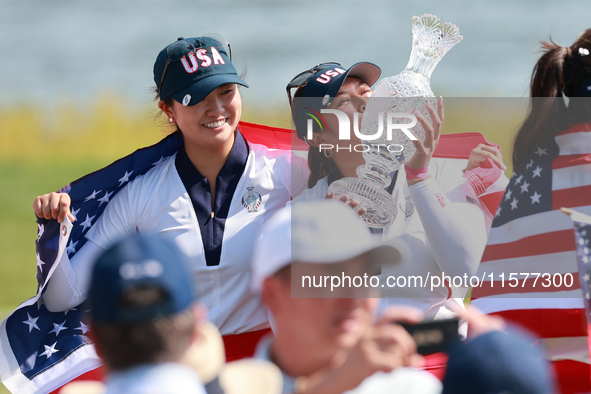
[(405, 93)]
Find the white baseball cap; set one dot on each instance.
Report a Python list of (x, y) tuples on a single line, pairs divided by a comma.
[(320, 232)]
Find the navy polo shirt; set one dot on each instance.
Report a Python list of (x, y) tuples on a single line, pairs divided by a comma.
[(212, 223)]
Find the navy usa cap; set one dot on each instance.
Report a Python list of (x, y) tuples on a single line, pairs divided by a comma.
[(324, 85), (190, 68), (138, 262)]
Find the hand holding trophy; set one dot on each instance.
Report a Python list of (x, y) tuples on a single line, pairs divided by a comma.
[(398, 99)]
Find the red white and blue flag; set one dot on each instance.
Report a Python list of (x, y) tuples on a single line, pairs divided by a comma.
[(531, 237), (41, 350)]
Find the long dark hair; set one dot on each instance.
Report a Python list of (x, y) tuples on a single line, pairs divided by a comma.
[(560, 70), (320, 165)]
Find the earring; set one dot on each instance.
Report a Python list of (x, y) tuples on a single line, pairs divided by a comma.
[(170, 120), (327, 155)]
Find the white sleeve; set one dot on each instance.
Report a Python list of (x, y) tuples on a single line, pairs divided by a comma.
[(454, 225), (119, 217), (68, 286)]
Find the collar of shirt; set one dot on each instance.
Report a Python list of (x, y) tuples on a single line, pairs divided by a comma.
[(212, 221), (234, 164), (166, 378)]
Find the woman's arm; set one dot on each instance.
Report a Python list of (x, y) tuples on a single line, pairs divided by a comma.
[(453, 221), (454, 225), (69, 283)]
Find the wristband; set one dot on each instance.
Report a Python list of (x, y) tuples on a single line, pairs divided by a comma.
[(416, 173)]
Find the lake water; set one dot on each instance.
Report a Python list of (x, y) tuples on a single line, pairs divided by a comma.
[(78, 49)]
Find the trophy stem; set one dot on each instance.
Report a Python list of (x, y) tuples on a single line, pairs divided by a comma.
[(380, 209)]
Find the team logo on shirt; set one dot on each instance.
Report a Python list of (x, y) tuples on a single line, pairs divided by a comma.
[(409, 209), (251, 200)]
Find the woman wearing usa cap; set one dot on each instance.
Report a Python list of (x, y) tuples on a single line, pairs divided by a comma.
[(438, 213), (210, 198)]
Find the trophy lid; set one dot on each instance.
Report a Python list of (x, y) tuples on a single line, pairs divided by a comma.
[(431, 40)]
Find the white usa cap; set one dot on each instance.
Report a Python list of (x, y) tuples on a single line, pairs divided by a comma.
[(320, 232)]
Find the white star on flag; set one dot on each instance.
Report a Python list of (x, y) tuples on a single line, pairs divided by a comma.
[(71, 248), (537, 172), (105, 198), (57, 328), (68, 310), (40, 263), (159, 161), (49, 350), (535, 197), (541, 152), (31, 322), (125, 178), (92, 196), (87, 223), (514, 204), (83, 327), (531, 163), (498, 212), (524, 187), (41, 230), (519, 179), (586, 277), (74, 213), (508, 195)]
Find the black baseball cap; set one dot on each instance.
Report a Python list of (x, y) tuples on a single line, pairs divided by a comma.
[(190, 68), (324, 85), (135, 262)]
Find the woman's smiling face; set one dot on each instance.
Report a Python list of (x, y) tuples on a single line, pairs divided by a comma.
[(213, 121)]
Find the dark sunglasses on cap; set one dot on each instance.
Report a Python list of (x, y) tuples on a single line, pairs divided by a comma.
[(301, 80), (177, 50)]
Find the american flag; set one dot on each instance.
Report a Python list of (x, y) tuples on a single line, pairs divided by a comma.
[(41, 350), (583, 242), (530, 235)]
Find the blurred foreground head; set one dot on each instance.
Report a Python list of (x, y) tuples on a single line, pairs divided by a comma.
[(498, 362), (140, 296), (143, 314), (311, 242)]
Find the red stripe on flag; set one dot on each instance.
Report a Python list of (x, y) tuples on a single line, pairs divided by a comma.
[(96, 375), (570, 161), (584, 127), (458, 146), (571, 198), (492, 200), (273, 137), (542, 285), (553, 242), (573, 377), (549, 323)]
